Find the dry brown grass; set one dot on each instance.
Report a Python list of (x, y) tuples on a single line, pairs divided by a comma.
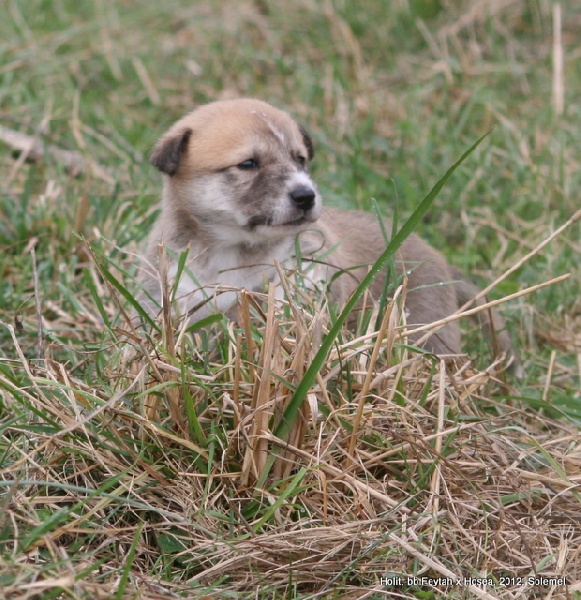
[(410, 467)]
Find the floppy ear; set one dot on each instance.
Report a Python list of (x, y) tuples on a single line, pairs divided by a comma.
[(308, 141), (167, 154)]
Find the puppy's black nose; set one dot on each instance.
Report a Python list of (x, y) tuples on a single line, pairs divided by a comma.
[(303, 196)]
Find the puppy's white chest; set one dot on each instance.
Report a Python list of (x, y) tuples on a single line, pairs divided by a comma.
[(210, 284)]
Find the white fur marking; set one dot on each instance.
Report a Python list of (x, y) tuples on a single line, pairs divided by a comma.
[(277, 132)]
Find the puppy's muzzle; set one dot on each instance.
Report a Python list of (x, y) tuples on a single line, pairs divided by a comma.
[(303, 197)]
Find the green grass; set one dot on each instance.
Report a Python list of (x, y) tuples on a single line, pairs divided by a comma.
[(125, 462)]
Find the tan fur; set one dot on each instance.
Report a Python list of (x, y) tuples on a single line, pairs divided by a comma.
[(235, 220)]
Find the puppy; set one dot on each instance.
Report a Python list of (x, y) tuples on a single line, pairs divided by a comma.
[(238, 197)]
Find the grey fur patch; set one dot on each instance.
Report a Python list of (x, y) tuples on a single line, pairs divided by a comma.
[(308, 141)]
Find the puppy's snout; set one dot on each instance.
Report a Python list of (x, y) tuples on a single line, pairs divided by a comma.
[(303, 196)]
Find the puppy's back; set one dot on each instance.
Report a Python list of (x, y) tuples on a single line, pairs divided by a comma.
[(351, 241)]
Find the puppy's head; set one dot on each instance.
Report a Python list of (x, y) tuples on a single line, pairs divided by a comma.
[(239, 168)]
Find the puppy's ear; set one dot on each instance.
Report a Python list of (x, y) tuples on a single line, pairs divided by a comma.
[(308, 141), (167, 154)]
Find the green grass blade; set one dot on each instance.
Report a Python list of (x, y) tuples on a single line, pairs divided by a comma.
[(280, 499), (129, 563), (126, 294)]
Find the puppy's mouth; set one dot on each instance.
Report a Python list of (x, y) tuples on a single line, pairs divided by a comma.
[(259, 220)]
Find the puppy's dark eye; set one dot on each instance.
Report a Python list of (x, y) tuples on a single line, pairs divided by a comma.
[(301, 160), (249, 164)]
